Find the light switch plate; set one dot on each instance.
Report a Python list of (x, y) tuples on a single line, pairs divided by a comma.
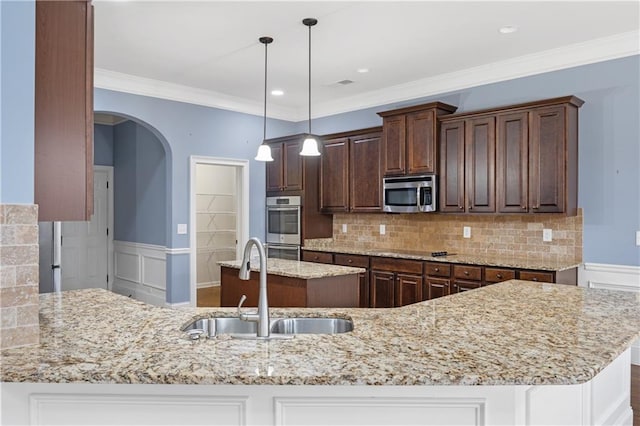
[(383, 229), (638, 238), (547, 235), (182, 228), (344, 228), (466, 232)]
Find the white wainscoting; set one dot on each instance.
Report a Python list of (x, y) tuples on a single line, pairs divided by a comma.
[(612, 277), (140, 271)]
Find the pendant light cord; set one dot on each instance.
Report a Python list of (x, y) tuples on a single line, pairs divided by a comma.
[(264, 130), (309, 80)]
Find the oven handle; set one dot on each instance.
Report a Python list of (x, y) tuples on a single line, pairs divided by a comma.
[(282, 209)]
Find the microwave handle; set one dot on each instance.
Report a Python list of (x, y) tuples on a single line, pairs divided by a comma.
[(282, 209), (418, 199)]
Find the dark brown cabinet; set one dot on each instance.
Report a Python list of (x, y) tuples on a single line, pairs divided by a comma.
[(467, 177), (409, 139), (285, 173), (64, 110), (517, 159), (395, 282), (357, 261), (350, 179), (497, 275), (436, 280), (317, 257)]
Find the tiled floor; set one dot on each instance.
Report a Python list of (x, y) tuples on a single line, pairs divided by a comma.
[(209, 296)]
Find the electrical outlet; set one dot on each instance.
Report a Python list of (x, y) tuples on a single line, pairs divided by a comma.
[(638, 238), (466, 232), (344, 228), (182, 228), (383, 229), (547, 235)]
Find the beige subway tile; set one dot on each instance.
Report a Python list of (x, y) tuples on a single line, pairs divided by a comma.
[(18, 255), (17, 214), (18, 296), (27, 315), (7, 276), (8, 317), (20, 336)]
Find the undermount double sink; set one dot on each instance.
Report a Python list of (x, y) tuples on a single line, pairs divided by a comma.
[(278, 327)]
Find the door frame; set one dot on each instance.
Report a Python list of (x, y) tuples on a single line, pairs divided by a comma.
[(110, 214), (242, 188)]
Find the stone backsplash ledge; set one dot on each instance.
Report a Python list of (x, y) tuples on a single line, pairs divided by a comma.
[(19, 301), (517, 235)]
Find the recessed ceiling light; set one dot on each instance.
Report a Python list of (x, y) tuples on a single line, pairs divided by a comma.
[(508, 29), (362, 70), (277, 92)]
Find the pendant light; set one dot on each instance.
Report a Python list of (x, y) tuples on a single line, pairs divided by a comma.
[(310, 145), (264, 150)]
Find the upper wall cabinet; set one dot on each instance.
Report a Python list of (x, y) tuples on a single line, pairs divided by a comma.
[(409, 139), (518, 159), (64, 110), (286, 172), (350, 179)]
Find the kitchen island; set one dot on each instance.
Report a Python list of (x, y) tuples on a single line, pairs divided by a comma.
[(292, 284), (512, 353)]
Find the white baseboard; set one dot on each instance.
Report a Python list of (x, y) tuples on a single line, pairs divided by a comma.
[(178, 305), (140, 271), (612, 277), (209, 284)]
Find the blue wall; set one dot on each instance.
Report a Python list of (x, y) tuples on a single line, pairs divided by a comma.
[(102, 145), (17, 69), (140, 179), (609, 144)]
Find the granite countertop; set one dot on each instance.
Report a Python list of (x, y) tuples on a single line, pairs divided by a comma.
[(297, 269), (516, 332), (470, 259)]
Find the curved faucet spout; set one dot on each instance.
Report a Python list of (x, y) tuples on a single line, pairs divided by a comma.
[(262, 317)]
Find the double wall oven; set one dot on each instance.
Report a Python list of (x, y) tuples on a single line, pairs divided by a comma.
[(283, 227)]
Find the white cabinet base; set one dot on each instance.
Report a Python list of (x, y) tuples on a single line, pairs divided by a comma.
[(603, 400)]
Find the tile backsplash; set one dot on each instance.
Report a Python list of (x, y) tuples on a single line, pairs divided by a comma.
[(19, 300), (517, 235)]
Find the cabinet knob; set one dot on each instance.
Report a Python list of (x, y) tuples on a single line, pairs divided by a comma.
[(349, 261), (461, 207), (534, 279), (466, 272), (499, 275), (437, 269), (315, 257), (524, 207)]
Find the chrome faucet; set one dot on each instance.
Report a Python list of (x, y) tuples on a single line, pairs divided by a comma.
[(261, 316)]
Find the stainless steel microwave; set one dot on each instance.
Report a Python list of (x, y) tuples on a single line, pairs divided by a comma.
[(410, 194)]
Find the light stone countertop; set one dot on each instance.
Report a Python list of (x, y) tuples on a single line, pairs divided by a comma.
[(297, 269), (516, 332), (532, 262)]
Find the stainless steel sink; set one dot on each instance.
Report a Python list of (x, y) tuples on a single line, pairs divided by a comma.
[(212, 327)]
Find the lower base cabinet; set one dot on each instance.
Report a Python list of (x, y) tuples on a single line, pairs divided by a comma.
[(395, 282)]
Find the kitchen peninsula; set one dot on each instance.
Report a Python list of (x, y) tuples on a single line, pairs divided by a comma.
[(517, 352), (292, 284)]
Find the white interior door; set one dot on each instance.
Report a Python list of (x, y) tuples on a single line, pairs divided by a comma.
[(85, 245)]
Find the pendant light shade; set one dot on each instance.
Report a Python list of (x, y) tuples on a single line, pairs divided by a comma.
[(310, 145), (264, 150)]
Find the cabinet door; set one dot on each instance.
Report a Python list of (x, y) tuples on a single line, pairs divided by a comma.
[(63, 138), (452, 167), (393, 145), (365, 180), (435, 287), (479, 164), (408, 289), (512, 140), (547, 158), (334, 176), (382, 289), (421, 142), (275, 169), (293, 167)]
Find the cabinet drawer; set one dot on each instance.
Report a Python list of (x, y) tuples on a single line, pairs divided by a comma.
[(396, 265), (546, 277), (496, 275), (460, 285), (351, 260), (317, 256), (464, 272), (437, 269)]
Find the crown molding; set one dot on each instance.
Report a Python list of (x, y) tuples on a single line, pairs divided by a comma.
[(127, 83), (592, 51)]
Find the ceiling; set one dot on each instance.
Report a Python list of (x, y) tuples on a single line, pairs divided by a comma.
[(208, 53)]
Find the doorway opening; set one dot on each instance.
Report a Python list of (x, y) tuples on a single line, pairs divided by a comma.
[(219, 194)]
